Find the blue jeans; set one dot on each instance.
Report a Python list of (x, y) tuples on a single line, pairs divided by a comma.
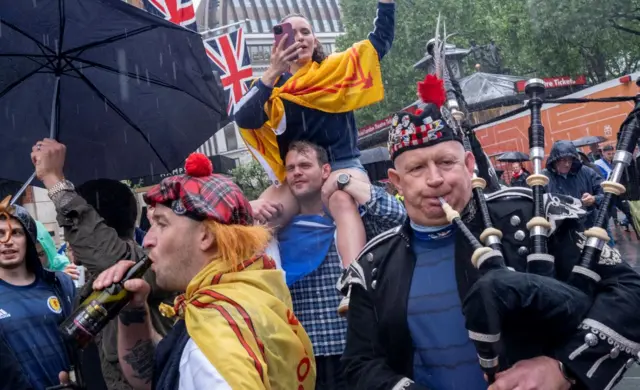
[(347, 163)]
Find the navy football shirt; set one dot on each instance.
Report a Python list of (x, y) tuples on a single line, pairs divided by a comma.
[(29, 319)]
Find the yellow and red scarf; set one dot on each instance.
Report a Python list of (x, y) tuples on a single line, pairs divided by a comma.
[(343, 82), (244, 324)]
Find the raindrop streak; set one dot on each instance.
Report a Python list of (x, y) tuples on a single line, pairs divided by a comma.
[(151, 169), (137, 74), (123, 79), (35, 5), (146, 73), (158, 103), (175, 74), (106, 105), (161, 61), (304, 123), (169, 47), (126, 141)]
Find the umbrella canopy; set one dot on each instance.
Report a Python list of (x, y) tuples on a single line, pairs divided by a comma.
[(588, 140), (369, 156), (513, 157), (376, 162), (128, 93)]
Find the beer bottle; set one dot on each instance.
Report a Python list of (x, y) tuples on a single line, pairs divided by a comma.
[(95, 312)]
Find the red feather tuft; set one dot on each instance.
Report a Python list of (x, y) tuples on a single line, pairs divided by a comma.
[(198, 165), (431, 90)]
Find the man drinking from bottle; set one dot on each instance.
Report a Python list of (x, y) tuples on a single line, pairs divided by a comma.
[(235, 328)]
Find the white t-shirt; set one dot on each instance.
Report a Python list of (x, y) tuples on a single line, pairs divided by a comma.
[(197, 373)]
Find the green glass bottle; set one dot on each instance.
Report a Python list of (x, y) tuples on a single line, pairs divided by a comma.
[(95, 312)]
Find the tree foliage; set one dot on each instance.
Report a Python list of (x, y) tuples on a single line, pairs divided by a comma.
[(251, 178), (542, 38)]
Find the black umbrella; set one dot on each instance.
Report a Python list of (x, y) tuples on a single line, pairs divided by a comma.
[(128, 93), (513, 157), (588, 140)]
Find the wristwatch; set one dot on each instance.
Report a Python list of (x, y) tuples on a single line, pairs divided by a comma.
[(63, 185), (343, 180)]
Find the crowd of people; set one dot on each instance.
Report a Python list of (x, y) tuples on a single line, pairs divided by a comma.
[(326, 281)]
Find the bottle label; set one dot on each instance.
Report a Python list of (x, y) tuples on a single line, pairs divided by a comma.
[(91, 318)]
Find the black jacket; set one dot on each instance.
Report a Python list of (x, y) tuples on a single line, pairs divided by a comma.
[(520, 181), (379, 351)]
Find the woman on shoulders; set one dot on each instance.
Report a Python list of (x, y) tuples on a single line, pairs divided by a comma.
[(307, 96)]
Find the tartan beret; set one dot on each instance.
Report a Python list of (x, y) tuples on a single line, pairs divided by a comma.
[(427, 127), (202, 195)]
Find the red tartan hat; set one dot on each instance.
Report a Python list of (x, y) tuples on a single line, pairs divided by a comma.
[(428, 126), (202, 195), (410, 131)]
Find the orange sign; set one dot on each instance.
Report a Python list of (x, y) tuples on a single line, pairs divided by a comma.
[(564, 121)]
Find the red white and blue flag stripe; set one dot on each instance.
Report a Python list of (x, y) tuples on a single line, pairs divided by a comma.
[(229, 57), (180, 12)]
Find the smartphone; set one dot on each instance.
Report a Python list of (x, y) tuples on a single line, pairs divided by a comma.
[(281, 29)]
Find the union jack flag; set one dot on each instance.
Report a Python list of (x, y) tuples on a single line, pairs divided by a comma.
[(229, 56), (180, 12)]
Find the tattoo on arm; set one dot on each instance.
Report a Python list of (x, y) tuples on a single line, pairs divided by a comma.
[(140, 358), (133, 316)]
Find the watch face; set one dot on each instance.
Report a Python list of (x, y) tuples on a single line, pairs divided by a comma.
[(343, 178)]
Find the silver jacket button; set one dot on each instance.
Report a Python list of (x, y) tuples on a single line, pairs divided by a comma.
[(614, 353), (374, 284), (519, 235), (374, 272), (369, 257), (515, 220), (591, 339), (523, 251)]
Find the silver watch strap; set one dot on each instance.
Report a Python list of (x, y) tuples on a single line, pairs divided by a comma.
[(64, 185)]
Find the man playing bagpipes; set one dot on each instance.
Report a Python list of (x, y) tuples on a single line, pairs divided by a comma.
[(414, 289)]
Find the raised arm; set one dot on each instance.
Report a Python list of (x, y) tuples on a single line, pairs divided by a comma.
[(384, 27), (250, 112), (94, 243)]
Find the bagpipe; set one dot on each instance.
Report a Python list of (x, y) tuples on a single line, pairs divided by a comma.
[(500, 293)]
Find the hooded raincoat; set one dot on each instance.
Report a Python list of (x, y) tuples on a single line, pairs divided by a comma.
[(578, 181), (57, 262)]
